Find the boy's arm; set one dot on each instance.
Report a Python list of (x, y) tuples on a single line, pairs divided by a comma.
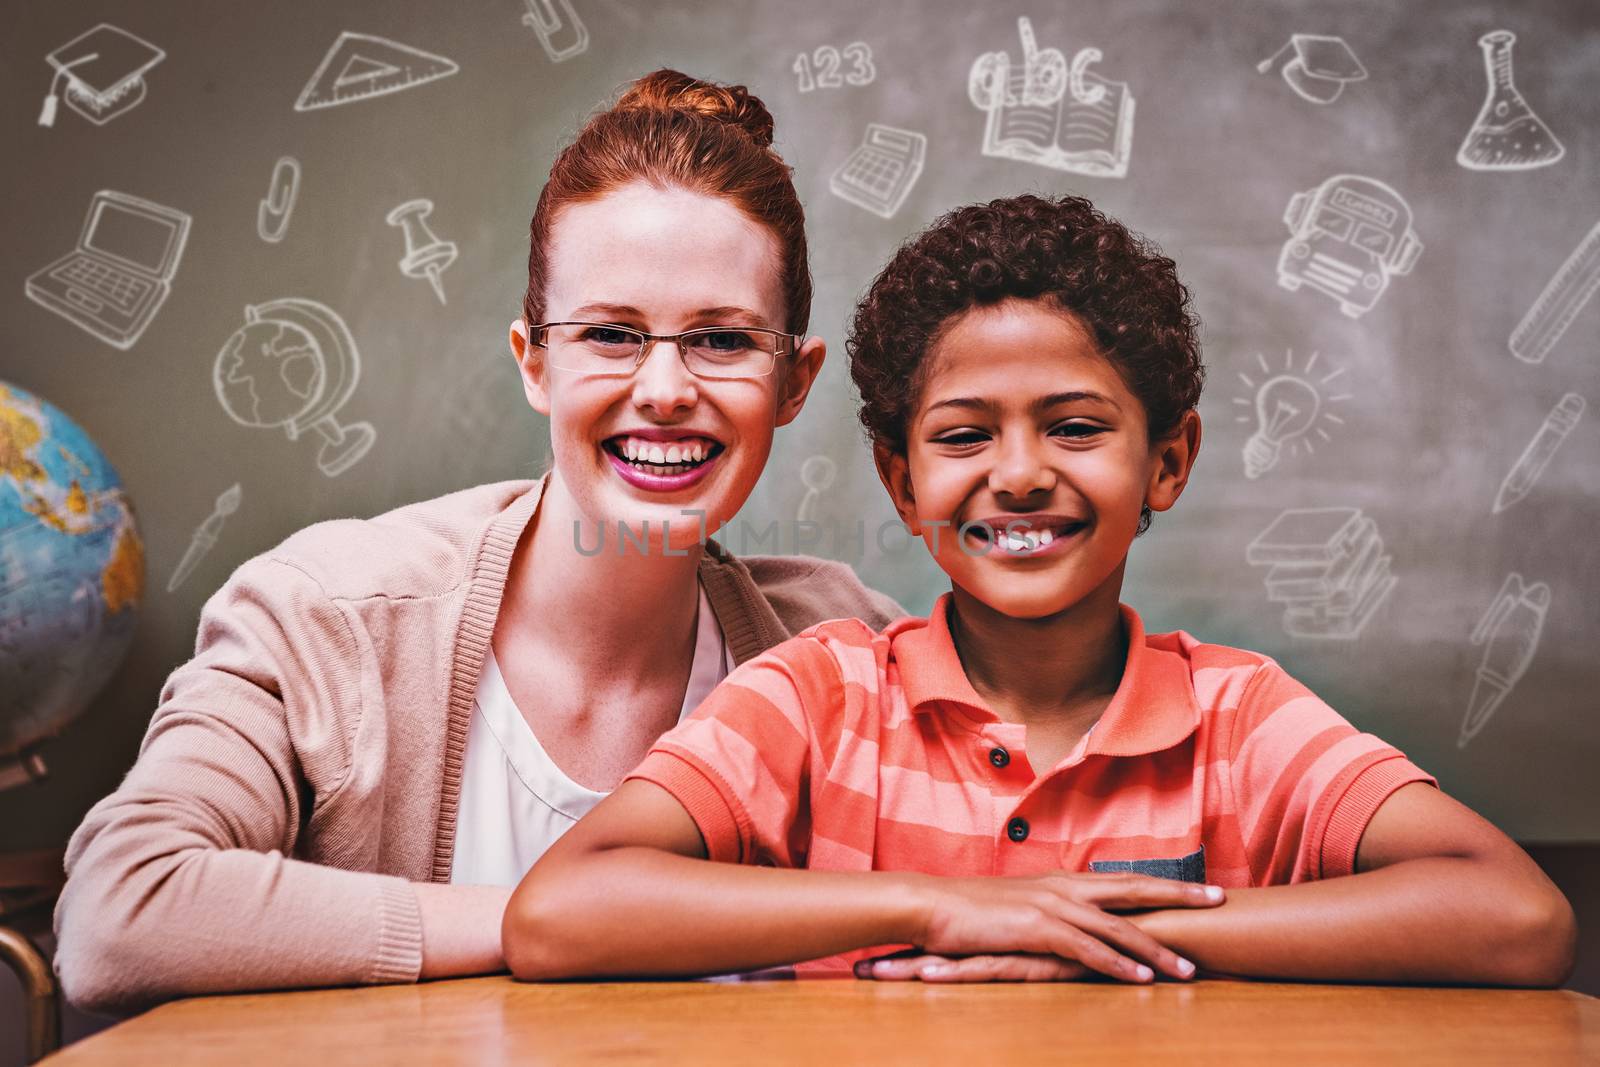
[(627, 892), (1440, 895)]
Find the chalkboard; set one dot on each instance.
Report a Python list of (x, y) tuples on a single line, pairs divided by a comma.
[(1386, 212)]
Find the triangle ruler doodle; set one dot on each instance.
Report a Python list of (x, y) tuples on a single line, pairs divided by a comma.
[(359, 66)]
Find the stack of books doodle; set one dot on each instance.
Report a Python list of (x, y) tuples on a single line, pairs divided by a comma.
[(1328, 569)]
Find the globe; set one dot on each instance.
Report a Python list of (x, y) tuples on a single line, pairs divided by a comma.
[(267, 372), (71, 570)]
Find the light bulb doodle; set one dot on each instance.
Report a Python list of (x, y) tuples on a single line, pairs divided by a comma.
[(1288, 408)]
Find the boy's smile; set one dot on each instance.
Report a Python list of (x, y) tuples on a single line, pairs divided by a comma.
[(1029, 460)]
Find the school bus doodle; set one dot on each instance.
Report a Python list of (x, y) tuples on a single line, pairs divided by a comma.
[(1347, 238)]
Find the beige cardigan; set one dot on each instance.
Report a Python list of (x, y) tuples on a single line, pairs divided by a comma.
[(305, 766)]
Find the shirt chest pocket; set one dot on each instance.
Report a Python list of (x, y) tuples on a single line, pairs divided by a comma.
[(1190, 868)]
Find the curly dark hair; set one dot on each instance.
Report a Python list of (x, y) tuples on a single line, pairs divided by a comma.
[(1119, 286)]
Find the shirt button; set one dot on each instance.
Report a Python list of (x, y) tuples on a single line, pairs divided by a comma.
[(1017, 829), (999, 756)]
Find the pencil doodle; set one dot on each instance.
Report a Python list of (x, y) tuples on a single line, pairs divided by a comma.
[(1556, 428)]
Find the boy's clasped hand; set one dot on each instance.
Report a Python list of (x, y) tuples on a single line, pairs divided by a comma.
[(1052, 927)]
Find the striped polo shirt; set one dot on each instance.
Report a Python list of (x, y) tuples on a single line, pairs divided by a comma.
[(852, 750)]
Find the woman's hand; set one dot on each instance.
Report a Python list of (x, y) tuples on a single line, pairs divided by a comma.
[(1045, 927)]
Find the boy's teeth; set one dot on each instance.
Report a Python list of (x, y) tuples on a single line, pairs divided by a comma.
[(1046, 537)]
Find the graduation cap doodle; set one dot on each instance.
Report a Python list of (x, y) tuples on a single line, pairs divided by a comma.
[(1320, 68), (104, 70)]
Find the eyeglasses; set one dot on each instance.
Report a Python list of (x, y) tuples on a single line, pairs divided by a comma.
[(603, 349)]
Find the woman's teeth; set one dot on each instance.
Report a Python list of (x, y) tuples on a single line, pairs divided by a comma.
[(672, 458)]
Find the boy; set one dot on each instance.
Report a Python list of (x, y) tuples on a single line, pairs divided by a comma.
[(1026, 785)]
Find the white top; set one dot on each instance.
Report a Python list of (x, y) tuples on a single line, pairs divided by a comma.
[(515, 802)]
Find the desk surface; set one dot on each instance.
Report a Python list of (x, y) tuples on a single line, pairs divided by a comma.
[(838, 1022)]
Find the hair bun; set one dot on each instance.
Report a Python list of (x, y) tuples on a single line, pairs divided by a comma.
[(671, 90)]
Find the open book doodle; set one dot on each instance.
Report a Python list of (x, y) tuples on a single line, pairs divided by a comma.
[(1048, 112)]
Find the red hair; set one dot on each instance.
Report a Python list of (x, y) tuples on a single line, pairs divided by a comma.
[(676, 131)]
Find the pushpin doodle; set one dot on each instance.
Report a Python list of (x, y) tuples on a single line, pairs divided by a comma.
[(560, 31), (206, 534), (816, 474), (426, 256)]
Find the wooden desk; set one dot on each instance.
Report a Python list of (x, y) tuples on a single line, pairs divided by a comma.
[(840, 1022)]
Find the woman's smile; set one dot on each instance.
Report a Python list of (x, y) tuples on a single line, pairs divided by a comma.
[(658, 460)]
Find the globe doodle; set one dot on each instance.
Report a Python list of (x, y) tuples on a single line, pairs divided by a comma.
[(71, 571), (292, 366), (267, 372)]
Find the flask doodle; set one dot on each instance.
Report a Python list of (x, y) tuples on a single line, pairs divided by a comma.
[(1507, 134)]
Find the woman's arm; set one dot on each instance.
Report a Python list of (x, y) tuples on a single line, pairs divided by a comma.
[(183, 880), (1440, 895), (627, 892)]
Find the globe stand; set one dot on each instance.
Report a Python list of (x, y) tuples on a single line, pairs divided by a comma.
[(21, 768), (343, 446), (29, 885)]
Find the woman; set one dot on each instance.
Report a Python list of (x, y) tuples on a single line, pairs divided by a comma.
[(387, 721)]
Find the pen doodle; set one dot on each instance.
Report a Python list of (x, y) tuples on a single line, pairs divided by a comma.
[(1509, 632)]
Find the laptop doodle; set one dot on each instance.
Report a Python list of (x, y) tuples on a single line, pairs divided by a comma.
[(118, 277)]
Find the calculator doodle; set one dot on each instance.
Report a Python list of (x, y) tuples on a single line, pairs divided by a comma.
[(881, 171)]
